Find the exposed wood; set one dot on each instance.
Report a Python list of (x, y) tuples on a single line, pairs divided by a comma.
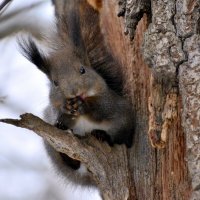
[(162, 113)]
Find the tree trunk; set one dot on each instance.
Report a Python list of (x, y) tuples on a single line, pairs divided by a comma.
[(162, 79), (165, 98)]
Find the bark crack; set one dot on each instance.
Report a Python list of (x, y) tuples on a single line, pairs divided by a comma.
[(173, 17)]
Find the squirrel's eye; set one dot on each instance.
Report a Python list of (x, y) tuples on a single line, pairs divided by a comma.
[(55, 83), (82, 70)]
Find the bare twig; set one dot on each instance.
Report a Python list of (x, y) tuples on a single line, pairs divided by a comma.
[(2, 99), (20, 10), (4, 5), (8, 20)]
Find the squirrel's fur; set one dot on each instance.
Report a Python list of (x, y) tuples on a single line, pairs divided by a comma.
[(86, 85)]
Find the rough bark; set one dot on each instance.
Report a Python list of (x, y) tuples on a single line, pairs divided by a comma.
[(164, 89), (133, 11), (157, 101), (171, 47), (189, 75)]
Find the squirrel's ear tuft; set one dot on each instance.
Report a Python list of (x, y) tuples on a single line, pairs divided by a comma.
[(30, 50)]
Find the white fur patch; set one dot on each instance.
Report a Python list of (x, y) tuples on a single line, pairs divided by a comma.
[(91, 93), (84, 125)]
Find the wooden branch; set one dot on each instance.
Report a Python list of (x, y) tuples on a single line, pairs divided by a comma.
[(108, 166)]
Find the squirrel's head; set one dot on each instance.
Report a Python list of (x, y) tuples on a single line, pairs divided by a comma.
[(69, 75)]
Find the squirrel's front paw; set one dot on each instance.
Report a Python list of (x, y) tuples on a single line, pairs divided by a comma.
[(74, 106)]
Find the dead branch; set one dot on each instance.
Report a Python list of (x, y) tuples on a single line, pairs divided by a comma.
[(108, 166)]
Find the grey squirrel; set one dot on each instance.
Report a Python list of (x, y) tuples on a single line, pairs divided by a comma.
[(86, 86)]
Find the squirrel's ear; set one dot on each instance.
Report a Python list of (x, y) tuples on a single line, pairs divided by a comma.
[(32, 53)]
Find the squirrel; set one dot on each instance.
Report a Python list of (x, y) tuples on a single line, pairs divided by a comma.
[(86, 92)]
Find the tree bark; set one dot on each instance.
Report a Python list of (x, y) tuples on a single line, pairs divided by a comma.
[(161, 69), (169, 47)]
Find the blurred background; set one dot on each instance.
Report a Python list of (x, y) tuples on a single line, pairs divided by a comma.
[(25, 171)]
